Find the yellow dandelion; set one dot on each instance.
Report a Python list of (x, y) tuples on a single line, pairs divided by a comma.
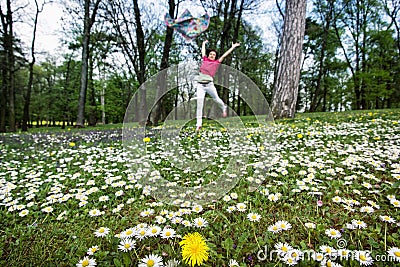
[(299, 135), (146, 139), (194, 249), (71, 144)]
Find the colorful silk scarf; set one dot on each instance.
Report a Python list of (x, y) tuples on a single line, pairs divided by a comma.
[(187, 25)]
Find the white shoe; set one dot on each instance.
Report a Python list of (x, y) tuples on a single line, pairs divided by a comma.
[(225, 112)]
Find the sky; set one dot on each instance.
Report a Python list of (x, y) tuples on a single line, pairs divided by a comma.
[(48, 29), (49, 26)]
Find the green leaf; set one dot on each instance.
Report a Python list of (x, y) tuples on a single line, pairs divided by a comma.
[(303, 246), (372, 242), (227, 243), (127, 259), (117, 262)]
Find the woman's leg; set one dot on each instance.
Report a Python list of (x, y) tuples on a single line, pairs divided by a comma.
[(200, 94), (212, 91)]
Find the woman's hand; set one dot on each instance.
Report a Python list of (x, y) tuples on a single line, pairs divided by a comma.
[(234, 45)]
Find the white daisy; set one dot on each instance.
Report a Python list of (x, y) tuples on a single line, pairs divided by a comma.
[(310, 225), (167, 233), (283, 248), (318, 256), (230, 209), (289, 260), (284, 225), (226, 198), (358, 224), (104, 198), (147, 213), (47, 209), (363, 257), (197, 208), (200, 222), (328, 250), (141, 233), (390, 197), (102, 232), (296, 254), (233, 263), (176, 220), (153, 230), (367, 209), (387, 219), (273, 197), (23, 213), (330, 263), (395, 203), (160, 219), (92, 250), (130, 232), (241, 207), (337, 199), (126, 244), (94, 212), (151, 260), (332, 233), (254, 217), (343, 254), (394, 252), (274, 228), (86, 262)]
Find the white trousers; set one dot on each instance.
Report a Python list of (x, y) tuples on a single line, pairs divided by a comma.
[(210, 89)]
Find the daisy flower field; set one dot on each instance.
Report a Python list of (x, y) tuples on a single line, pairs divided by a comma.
[(328, 195)]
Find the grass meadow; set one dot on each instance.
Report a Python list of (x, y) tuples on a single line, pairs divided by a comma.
[(328, 196)]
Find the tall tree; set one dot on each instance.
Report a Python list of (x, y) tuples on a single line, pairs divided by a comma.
[(289, 61), (161, 85), (352, 27), (7, 68), (88, 21), (136, 30), (326, 11), (27, 97)]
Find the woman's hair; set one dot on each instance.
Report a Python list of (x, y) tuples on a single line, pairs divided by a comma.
[(211, 50)]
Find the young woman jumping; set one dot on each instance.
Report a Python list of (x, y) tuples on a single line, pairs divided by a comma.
[(205, 84)]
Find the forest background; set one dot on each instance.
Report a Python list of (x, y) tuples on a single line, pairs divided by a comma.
[(107, 49)]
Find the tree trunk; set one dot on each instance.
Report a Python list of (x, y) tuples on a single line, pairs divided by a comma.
[(315, 100), (289, 66), (161, 85), (27, 97), (229, 16), (87, 25), (8, 71), (142, 68), (92, 120)]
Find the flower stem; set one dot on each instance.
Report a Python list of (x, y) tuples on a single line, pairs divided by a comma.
[(385, 234)]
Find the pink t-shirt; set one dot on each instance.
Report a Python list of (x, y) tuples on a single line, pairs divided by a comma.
[(209, 66)]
